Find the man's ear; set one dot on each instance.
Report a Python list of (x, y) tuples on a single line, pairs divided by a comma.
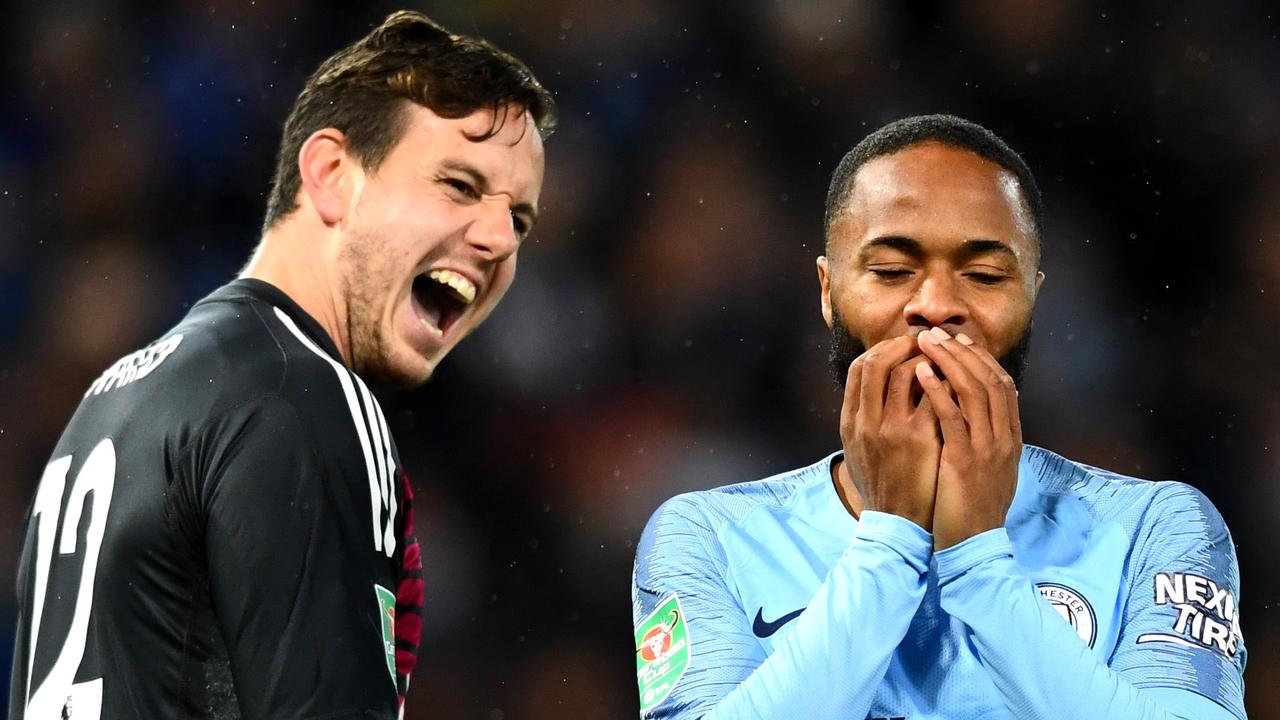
[(824, 282), (323, 166)]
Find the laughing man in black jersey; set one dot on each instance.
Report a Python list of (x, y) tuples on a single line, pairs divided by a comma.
[(224, 528)]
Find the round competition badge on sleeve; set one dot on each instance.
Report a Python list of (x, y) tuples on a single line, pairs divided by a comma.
[(662, 651), (1073, 608)]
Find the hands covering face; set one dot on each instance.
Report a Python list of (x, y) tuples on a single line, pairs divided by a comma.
[(948, 462)]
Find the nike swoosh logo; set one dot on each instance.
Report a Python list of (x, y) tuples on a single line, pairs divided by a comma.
[(764, 629)]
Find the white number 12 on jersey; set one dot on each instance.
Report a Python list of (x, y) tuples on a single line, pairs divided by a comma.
[(59, 689)]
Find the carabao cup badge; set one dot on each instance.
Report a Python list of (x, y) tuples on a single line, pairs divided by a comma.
[(387, 612), (662, 652), (1074, 608)]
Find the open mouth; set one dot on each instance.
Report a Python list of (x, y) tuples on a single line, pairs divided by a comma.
[(442, 296)]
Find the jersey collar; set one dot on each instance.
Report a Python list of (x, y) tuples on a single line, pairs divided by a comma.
[(272, 295)]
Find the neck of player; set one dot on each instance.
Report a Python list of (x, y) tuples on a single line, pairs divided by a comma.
[(845, 489), (301, 262)]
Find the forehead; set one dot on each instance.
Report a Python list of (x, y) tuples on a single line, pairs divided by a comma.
[(511, 160), (934, 192)]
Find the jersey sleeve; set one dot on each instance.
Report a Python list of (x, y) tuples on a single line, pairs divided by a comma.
[(1160, 668), (828, 666), (1181, 628), (302, 596)]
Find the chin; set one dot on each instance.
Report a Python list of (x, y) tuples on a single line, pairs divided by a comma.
[(414, 375), (401, 381), (403, 370)]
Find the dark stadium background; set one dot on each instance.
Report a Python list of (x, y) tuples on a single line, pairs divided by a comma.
[(663, 334)]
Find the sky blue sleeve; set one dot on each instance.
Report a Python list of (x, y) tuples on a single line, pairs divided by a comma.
[(1166, 664), (831, 662)]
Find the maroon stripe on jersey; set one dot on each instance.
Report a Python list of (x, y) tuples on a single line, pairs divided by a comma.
[(409, 596)]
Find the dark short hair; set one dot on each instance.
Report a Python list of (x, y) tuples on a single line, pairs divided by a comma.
[(363, 91), (946, 129)]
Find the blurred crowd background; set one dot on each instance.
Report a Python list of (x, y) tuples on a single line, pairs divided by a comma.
[(663, 334)]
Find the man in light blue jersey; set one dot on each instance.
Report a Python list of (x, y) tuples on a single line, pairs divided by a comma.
[(935, 567)]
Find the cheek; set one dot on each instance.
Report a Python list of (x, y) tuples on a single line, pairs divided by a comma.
[(499, 283), (503, 276), (1004, 325), (403, 219), (871, 310)]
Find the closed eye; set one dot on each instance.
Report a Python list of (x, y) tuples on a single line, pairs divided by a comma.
[(986, 278), (889, 274), (462, 187)]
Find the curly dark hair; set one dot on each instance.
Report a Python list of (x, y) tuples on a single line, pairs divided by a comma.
[(948, 130), (362, 90)]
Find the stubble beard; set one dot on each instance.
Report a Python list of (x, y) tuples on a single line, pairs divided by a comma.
[(845, 348), (366, 283)]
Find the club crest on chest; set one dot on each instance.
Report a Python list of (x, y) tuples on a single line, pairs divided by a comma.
[(1074, 608)]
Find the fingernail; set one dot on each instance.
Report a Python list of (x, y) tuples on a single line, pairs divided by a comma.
[(940, 334), (927, 337), (964, 339), (924, 369)]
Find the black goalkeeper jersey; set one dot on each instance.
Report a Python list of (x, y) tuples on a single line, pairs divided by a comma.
[(224, 530)]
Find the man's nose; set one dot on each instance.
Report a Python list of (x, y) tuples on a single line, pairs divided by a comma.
[(935, 302), (493, 231)]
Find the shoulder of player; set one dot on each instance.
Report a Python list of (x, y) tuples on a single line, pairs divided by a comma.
[(707, 512), (1109, 493), (216, 350), (258, 347), (228, 341), (238, 355), (1185, 508)]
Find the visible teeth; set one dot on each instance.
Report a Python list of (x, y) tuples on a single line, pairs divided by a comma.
[(464, 288)]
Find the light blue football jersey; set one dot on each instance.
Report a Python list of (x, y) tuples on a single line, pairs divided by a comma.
[(1103, 596)]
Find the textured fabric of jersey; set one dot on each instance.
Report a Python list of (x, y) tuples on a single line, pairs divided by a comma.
[(224, 530), (1102, 597)]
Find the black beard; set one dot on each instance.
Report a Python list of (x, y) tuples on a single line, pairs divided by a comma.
[(845, 348)]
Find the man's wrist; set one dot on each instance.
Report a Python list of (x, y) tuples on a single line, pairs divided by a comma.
[(953, 562), (905, 537)]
